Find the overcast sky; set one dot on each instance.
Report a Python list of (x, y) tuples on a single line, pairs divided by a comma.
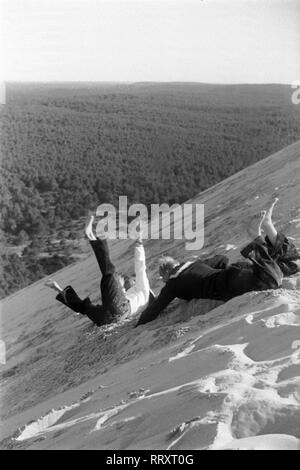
[(219, 41)]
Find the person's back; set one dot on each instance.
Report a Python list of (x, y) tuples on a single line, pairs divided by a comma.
[(193, 280)]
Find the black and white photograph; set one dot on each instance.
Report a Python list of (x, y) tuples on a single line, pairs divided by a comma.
[(150, 227)]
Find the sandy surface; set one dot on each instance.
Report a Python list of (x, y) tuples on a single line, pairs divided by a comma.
[(204, 375)]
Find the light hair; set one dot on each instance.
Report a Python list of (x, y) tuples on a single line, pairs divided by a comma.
[(125, 281), (120, 279), (166, 265)]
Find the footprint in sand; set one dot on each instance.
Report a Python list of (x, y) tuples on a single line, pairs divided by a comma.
[(296, 344), (286, 319)]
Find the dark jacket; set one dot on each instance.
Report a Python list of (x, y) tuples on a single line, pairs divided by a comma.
[(99, 314)]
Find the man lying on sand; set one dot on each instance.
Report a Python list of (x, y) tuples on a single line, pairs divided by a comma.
[(270, 259), (121, 297)]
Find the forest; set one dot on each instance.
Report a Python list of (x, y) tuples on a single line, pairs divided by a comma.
[(66, 148)]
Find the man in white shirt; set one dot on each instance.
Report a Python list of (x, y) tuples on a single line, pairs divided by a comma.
[(117, 302)]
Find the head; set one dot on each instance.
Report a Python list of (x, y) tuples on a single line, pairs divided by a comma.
[(166, 266), (126, 282)]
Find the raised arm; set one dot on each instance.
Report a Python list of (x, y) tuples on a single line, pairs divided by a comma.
[(142, 281), (165, 297)]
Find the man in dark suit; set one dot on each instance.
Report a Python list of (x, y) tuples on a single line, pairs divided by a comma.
[(267, 261)]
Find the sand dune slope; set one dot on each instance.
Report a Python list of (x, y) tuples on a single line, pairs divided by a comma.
[(220, 382), (204, 375)]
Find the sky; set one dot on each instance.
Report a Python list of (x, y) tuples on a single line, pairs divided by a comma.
[(214, 41)]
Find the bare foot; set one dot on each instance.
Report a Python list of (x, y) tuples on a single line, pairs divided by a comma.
[(257, 223), (255, 226), (89, 228), (53, 285), (268, 217)]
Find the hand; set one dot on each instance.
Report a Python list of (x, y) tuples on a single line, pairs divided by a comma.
[(139, 240)]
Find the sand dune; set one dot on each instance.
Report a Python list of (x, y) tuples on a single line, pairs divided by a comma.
[(204, 375), (222, 396)]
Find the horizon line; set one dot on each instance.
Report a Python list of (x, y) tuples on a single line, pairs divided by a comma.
[(132, 82)]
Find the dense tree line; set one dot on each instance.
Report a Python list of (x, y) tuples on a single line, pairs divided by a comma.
[(66, 149)]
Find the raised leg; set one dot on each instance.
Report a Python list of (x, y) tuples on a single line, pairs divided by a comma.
[(112, 295), (267, 223), (53, 285), (89, 228), (258, 224), (265, 267)]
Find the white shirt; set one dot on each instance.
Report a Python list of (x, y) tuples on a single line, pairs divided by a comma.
[(138, 295)]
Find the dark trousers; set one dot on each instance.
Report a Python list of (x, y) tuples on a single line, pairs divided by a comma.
[(268, 265), (265, 267), (265, 256), (109, 287), (285, 253), (114, 303)]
